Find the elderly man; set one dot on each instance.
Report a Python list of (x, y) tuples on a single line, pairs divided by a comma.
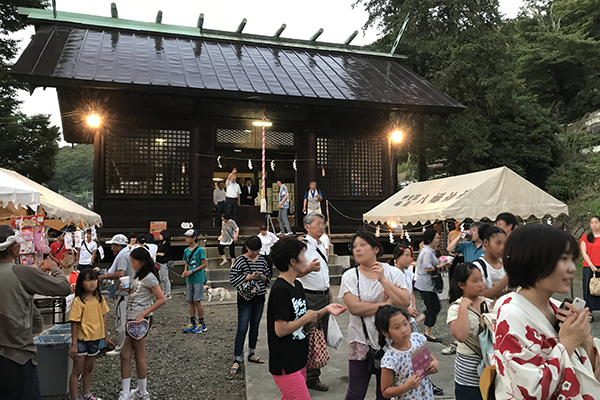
[(233, 193), (121, 267), (316, 284), (18, 283)]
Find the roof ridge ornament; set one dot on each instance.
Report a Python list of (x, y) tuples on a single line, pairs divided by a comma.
[(113, 10), (280, 30), (350, 38), (316, 35), (200, 23), (158, 17), (241, 26)]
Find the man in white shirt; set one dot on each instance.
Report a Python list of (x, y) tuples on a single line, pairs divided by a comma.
[(268, 239), (87, 251), (219, 197), (316, 284), (233, 193)]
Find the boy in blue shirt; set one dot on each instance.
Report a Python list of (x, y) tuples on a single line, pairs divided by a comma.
[(195, 278)]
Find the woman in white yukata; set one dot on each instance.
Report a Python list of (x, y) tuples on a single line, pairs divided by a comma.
[(533, 360)]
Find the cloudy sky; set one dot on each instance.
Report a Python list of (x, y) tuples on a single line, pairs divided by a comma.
[(303, 18)]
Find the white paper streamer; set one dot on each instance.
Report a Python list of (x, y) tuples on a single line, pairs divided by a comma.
[(295, 165), (377, 232), (219, 162), (273, 165), (391, 237), (68, 240), (249, 164)]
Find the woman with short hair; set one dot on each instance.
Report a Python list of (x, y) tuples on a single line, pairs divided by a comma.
[(250, 266), (540, 351)]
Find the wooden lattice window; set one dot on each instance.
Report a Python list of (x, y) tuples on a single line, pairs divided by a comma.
[(353, 167), (275, 138), (235, 136), (148, 162)]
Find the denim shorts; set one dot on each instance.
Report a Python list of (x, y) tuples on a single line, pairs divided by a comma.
[(88, 348), (194, 292)]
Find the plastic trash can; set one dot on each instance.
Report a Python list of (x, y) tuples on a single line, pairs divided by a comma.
[(66, 329), (54, 364)]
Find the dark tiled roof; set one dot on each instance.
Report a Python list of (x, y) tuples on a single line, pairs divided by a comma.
[(69, 54)]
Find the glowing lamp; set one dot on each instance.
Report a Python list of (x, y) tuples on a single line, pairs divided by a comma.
[(93, 120), (262, 123), (393, 225), (396, 136)]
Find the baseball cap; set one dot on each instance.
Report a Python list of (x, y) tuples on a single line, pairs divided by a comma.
[(118, 239), (190, 233)]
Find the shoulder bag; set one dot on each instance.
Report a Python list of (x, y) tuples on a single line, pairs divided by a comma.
[(373, 356), (248, 289), (436, 278)]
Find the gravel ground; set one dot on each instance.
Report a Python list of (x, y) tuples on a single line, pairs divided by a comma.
[(181, 366)]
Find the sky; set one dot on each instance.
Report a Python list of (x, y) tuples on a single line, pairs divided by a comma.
[(337, 17)]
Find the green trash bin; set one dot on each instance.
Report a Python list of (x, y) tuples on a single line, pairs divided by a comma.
[(54, 363)]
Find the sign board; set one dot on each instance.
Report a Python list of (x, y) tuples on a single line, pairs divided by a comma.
[(156, 227)]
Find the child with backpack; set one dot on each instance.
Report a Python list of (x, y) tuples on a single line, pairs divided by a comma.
[(398, 379), (195, 278), (88, 327), (464, 314)]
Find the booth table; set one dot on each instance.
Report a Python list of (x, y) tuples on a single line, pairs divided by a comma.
[(51, 305)]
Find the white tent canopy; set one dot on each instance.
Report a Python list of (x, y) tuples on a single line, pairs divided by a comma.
[(477, 195), (17, 193)]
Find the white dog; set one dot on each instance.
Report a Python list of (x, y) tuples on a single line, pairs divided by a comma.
[(210, 292)]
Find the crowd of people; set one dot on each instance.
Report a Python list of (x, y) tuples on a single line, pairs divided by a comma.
[(539, 348)]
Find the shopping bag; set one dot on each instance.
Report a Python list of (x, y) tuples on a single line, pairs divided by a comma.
[(595, 285), (318, 355), (334, 333)]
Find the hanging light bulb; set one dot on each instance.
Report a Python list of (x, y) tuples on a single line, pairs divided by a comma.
[(377, 232), (219, 162), (273, 165), (295, 165), (249, 164), (323, 172)]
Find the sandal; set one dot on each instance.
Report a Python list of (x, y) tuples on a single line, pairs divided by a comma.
[(234, 370), (258, 360)]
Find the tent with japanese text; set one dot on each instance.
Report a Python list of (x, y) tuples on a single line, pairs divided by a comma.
[(475, 196)]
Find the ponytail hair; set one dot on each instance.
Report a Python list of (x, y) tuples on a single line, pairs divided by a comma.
[(461, 275), (487, 231), (590, 236), (148, 266), (382, 320)]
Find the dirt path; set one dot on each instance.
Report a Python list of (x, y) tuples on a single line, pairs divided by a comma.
[(182, 366)]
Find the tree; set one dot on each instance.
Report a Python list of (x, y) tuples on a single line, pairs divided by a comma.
[(467, 50), (74, 170), (27, 144), (557, 55)]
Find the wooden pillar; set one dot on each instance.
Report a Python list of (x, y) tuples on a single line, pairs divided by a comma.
[(385, 160), (99, 160), (202, 186)]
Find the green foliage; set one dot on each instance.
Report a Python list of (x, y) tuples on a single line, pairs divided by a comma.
[(74, 170), (28, 144), (465, 49)]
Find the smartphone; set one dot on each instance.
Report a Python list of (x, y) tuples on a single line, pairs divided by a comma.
[(578, 303)]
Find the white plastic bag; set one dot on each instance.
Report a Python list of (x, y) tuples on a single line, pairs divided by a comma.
[(334, 334)]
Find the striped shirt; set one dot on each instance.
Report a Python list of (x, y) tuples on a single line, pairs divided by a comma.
[(465, 369), (243, 267)]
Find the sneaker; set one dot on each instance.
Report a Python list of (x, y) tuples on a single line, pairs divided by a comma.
[(135, 395), (90, 397), (113, 353), (223, 262), (200, 328), (168, 297), (189, 327), (289, 234), (449, 350), (124, 396)]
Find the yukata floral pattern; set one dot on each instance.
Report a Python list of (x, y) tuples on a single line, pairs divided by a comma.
[(530, 362), (401, 363)]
